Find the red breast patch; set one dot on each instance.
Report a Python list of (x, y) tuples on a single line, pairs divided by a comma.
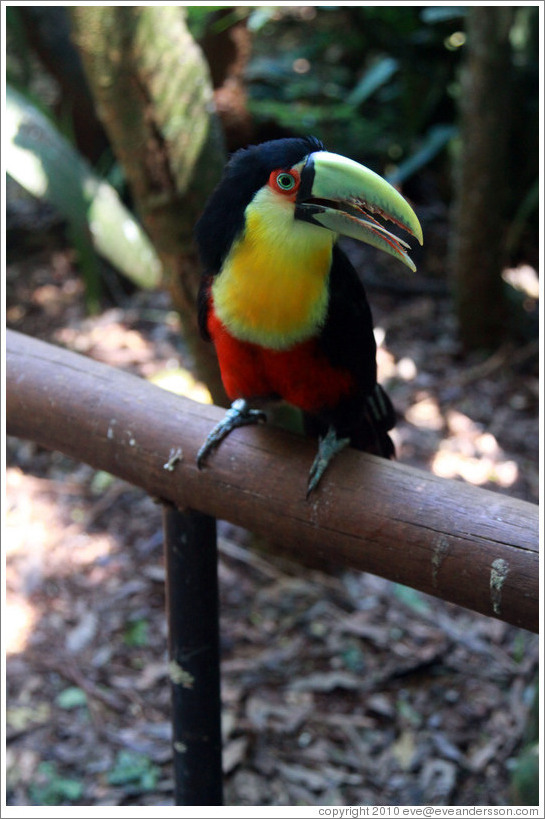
[(302, 375)]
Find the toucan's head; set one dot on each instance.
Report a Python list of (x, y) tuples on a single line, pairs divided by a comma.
[(315, 186)]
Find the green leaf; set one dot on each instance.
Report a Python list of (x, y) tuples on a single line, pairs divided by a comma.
[(374, 77), (260, 16), (525, 777), (136, 633), (72, 697), (101, 481), (50, 788), (353, 658), (197, 18), (44, 163), (434, 142), (411, 598), (442, 14), (134, 768), (408, 713)]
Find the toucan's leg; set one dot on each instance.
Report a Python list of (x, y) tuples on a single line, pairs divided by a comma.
[(327, 448), (239, 415)]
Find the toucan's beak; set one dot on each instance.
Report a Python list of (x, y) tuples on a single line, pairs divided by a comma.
[(343, 196)]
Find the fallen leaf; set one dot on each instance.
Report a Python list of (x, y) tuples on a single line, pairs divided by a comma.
[(326, 681), (233, 754), (404, 749)]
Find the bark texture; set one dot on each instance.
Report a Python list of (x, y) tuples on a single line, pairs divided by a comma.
[(477, 250)]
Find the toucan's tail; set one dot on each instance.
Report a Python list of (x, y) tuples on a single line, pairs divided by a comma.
[(378, 419), (366, 424)]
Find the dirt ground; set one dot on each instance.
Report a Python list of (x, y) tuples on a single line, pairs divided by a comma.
[(341, 689)]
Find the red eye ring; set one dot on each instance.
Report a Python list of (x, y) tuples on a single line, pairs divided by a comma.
[(285, 182)]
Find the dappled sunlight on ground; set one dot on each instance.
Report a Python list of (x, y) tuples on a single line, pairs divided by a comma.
[(425, 413), (473, 455), (478, 471), (43, 518), (523, 278), (181, 382), (20, 618), (42, 514), (108, 339), (469, 419)]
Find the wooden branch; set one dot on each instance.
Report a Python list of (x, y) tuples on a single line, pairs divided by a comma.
[(467, 545)]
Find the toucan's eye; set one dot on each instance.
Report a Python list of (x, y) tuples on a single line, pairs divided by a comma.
[(284, 181)]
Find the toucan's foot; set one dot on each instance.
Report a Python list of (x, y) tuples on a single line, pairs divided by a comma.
[(239, 415), (327, 448)]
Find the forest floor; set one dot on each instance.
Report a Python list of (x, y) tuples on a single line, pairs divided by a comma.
[(337, 689)]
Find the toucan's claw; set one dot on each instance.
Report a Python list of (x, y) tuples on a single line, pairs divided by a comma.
[(327, 449), (239, 415)]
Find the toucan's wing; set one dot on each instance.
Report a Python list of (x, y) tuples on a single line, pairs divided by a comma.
[(347, 338), (348, 341)]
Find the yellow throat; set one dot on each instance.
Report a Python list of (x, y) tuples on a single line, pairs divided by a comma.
[(273, 287)]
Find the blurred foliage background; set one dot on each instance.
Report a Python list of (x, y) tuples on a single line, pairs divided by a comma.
[(378, 83)]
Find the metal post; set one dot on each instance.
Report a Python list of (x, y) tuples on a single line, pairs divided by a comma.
[(194, 667)]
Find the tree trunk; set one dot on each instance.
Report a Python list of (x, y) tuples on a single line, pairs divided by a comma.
[(154, 97), (478, 229)]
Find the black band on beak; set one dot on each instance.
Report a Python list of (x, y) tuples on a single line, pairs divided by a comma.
[(307, 180)]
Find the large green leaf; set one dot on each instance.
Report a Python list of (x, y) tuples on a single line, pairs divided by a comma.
[(43, 162), (372, 80), (432, 144)]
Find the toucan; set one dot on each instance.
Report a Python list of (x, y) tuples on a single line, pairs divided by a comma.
[(280, 300)]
